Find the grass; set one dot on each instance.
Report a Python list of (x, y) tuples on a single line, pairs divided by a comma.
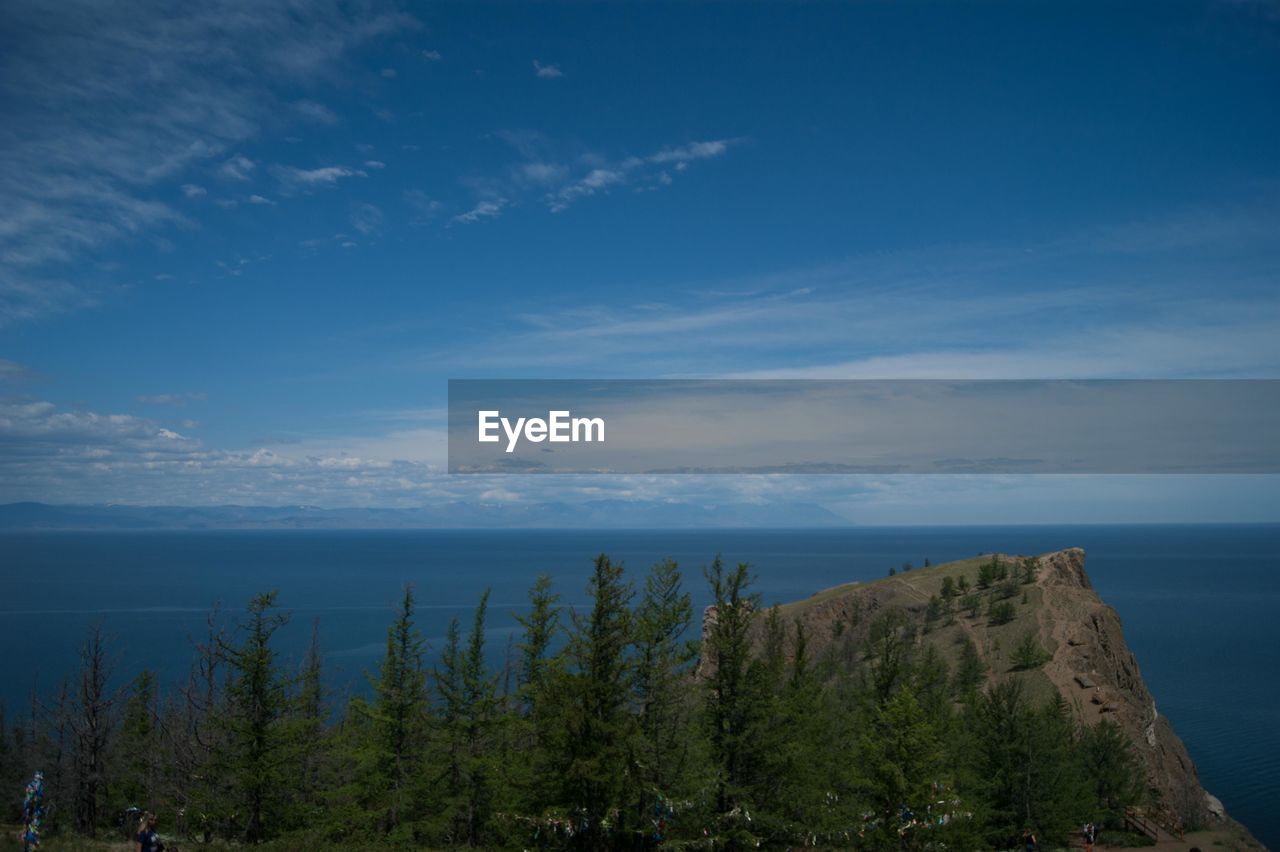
[(911, 590)]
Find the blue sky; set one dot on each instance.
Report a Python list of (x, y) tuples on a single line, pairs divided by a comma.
[(243, 247)]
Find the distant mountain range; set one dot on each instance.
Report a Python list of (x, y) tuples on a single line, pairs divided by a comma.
[(597, 514)]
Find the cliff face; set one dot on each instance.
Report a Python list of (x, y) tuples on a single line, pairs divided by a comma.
[(1090, 664), (1098, 674), (1100, 677)]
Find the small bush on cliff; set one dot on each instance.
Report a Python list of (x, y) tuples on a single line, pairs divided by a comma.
[(971, 672), (1001, 612), (1029, 654), (987, 575)]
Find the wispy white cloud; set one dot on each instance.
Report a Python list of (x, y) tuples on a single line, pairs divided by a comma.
[(293, 179), (12, 371), (631, 169), (191, 190), (237, 168), (547, 72), (29, 297), (539, 172), (594, 181), (172, 398), (432, 55), (693, 151), (561, 184), (106, 104), (365, 218), (1066, 308), (262, 200), (486, 209), (424, 206), (315, 111), (70, 215)]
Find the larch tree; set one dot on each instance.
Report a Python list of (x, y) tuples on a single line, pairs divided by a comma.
[(257, 702), (399, 712)]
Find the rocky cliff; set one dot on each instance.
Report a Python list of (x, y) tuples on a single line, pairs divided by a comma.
[(1088, 661)]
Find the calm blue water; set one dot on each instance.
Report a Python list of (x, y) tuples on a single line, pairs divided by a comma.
[(1201, 604)]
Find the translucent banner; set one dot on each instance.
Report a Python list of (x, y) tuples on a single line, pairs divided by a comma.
[(869, 427)]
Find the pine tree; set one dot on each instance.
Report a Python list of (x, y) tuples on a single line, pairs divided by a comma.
[(1030, 770), (970, 672), (256, 703), (901, 754), (987, 574), (1000, 612), (727, 656), (1112, 770), (537, 727), (399, 714), (796, 780), (307, 734), (599, 729), (473, 725), (540, 627), (134, 750), (451, 706), (1029, 654), (933, 611), (663, 660), (890, 638)]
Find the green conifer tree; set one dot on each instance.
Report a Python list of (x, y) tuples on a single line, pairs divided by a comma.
[(599, 729), (970, 672), (399, 716), (1112, 770), (728, 655), (663, 660), (256, 752)]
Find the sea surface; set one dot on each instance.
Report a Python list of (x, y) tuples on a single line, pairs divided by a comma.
[(1200, 604)]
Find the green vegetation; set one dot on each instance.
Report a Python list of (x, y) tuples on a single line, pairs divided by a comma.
[(1001, 611), (608, 728), (1029, 654)]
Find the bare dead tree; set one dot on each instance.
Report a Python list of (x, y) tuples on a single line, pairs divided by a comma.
[(188, 730), (91, 722)]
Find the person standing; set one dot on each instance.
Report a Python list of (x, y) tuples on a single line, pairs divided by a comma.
[(1090, 836), (148, 840), (32, 812)]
